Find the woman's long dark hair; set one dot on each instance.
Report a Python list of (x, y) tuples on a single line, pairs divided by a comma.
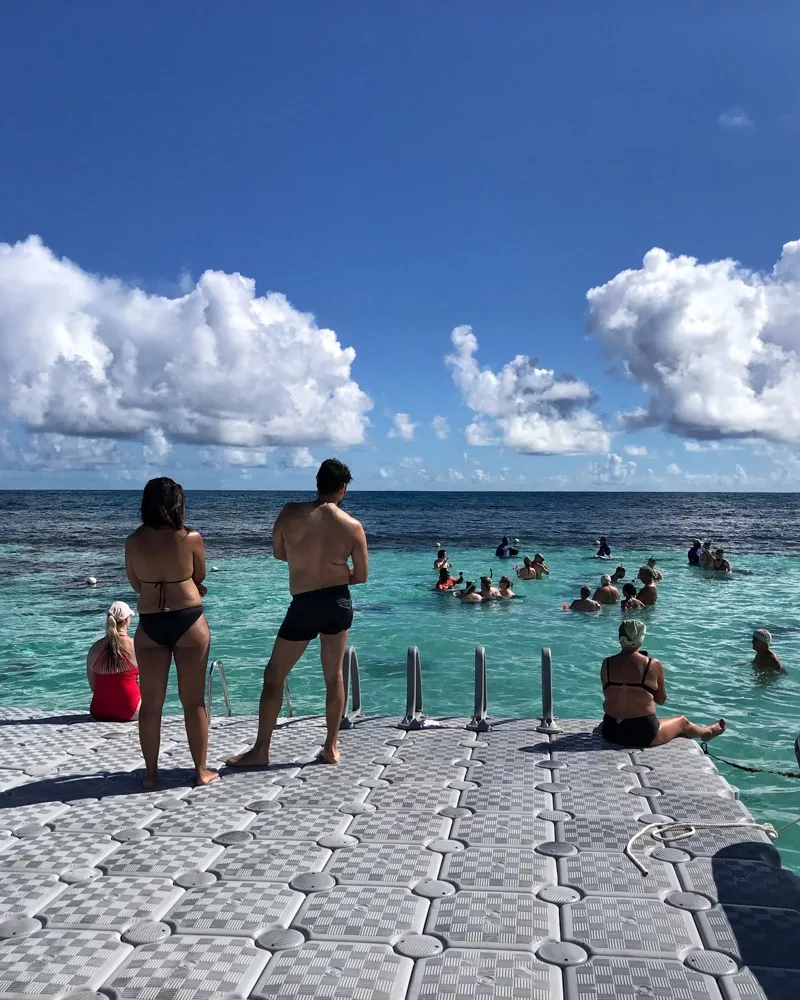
[(163, 504)]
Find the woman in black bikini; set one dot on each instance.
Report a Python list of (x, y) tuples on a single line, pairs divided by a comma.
[(166, 565), (633, 684)]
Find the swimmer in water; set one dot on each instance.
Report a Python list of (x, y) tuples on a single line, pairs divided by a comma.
[(706, 558), (765, 659), (540, 566), (618, 575), (469, 595), (505, 587), (657, 575), (604, 550), (441, 561), (526, 571), (631, 602), (584, 602), (694, 552), (504, 550), (447, 582), (488, 592), (648, 595), (605, 593), (721, 564)]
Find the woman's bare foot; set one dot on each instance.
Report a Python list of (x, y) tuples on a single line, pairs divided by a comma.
[(150, 781), (205, 776), (254, 757), (716, 730)]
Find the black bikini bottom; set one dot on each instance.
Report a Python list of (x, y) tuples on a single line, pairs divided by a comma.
[(630, 732), (166, 627)]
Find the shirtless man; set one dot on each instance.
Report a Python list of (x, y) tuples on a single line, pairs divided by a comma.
[(648, 595), (317, 539), (540, 566), (606, 593), (721, 564), (487, 590), (441, 561), (618, 575), (584, 603), (765, 659), (657, 575), (706, 558), (469, 595)]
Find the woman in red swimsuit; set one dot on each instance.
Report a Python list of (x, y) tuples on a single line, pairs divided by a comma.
[(112, 671)]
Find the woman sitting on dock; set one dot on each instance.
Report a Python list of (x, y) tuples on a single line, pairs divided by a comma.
[(112, 672), (633, 684)]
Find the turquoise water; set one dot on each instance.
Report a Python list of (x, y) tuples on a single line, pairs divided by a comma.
[(700, 629)]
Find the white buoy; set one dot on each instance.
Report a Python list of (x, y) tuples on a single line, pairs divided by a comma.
[(438, 545), (215, 569), (516, 541), (91, 581)]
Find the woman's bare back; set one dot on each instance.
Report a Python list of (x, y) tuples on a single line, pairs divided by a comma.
[(165, 556)]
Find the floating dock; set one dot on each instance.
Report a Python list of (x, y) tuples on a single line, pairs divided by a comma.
[(432, 863)]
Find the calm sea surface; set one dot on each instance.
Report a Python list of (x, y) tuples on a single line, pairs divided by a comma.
[(700, 629)]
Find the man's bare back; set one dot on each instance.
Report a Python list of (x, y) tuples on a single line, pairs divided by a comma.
[(317, 540)]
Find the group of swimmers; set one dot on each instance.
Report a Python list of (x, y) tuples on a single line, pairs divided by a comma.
[(531, 569), (705, 556), (632, 599)]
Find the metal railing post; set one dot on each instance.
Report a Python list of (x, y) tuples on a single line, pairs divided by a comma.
[(548, 723), (352, 679), (217, 665), (288, 698), (479, 722), (414, 717)]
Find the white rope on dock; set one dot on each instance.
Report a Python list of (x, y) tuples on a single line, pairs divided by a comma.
[(658, 832)]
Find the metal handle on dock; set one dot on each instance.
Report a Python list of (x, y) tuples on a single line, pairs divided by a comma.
[(548, 723), (351, 678), (217, 665), (414, 717), (479, 722), (287, 694)]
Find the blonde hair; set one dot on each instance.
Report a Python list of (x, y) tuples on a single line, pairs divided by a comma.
[(114, 639)]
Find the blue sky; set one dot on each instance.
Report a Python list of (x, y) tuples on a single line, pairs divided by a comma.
[(400, 171)]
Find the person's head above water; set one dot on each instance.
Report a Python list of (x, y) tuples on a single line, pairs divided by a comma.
[(632, 634), (629, 590), (527, 561), (333, 478), (163, 504), (486, 583), (707, 546), (505, 582), (586, 592), (761, 637), (538, 557), (651, 561), (646, 575), (605, 580), (720, 553), (697, 544), (504, 540), (441, 554), (470, 587), (620, 571)]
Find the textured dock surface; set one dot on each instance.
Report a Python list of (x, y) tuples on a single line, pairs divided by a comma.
[(430, 864)]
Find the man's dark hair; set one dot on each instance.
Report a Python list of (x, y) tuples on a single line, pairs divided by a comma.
[(332, 476), (629, 590), (441, 554), (585, 592), (163, 504), (504, 540)]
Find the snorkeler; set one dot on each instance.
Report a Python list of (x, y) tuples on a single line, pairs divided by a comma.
[(657, 575), (469, 595), (631, 602), (584, 602), (604, 550), (505, 587), (694, 552), (504, 550), (488, 592)]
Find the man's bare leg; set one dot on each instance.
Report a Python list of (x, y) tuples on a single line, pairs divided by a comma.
[(331, 653), (284, 656)]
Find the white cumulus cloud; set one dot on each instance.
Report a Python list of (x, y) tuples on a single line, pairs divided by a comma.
[(635, 450), (301, 458), (90, 356), (524, 407), (613, 470), (735, 118), (411, 462), (402, 427), (156, 447), (59, 452), (715, 346), (441, 427)]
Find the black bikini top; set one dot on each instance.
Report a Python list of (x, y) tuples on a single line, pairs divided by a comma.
[(625, 684), (162, 592)]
